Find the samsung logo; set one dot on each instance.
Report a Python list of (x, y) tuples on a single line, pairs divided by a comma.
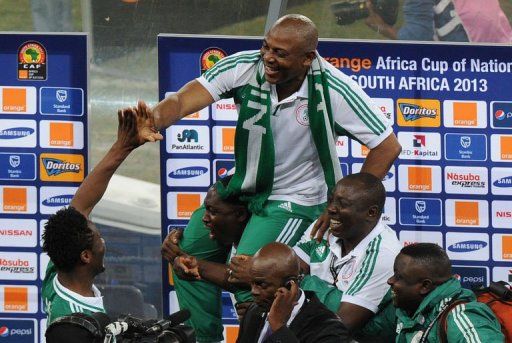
[(16, 132), (59, 200), (467, 246), (505, 182), (184, 173)]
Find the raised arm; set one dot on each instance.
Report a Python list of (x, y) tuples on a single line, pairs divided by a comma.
[(129, 137), (380, 158)]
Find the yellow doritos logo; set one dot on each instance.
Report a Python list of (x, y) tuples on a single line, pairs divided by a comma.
[(61, 167), (419, 112)]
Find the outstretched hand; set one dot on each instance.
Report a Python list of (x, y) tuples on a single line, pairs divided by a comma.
[(240, 270), (127, 135), (146, 128)]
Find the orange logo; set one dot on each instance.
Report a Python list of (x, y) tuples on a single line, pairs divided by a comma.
[(228, 139), (420, 178), (14, 100), (506, 147), (231, 334), (15, 199), (194, 115), (466, 213), (61, 167), (465, 113), (15, 299), (186, 204), (61, 134), (506, 247), (419, 112), (364, 150)]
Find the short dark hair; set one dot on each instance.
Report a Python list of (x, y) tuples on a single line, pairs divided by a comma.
[(232, 199), (66, 235), (430, 257), (372, 189)]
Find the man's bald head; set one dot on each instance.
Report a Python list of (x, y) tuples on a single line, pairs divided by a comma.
[(278, 259), (300, 26)]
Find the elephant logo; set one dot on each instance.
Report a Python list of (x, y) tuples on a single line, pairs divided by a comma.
[(188, 136)]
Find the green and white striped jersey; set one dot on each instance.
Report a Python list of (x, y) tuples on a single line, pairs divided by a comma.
[(298, 174), (361, 275), (60, 301)]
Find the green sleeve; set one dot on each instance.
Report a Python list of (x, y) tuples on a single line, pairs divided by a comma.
[(328, 295), (383, 324), (473, 322)]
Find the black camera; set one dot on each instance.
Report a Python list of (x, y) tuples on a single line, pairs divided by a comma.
[(348, 11)]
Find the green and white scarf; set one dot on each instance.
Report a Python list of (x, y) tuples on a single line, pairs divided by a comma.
[(254, 144)]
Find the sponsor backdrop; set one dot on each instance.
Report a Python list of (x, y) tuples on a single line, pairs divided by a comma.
[(43, 159), (451, 112)]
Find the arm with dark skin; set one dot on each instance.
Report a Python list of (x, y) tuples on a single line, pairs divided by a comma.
[(133, 131)]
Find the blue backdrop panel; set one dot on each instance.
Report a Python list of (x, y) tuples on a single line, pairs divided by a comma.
[(43, 159), (451, 108)]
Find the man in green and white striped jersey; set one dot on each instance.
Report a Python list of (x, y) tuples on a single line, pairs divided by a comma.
[(349, 267)]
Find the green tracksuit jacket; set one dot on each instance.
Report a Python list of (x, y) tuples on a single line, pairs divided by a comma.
[(469, 322)]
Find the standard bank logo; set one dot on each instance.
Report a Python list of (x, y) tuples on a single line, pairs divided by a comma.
[(471, 276), (17, 166), (188, 172), (501, 181), (419, 112), (501, 114), (62, 167), (467, 246), (188, 139), (420, 212), (465, 147), (18, 330), (61, 101), (18, 133)]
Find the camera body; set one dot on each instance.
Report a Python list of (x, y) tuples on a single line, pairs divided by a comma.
[(348, 11)]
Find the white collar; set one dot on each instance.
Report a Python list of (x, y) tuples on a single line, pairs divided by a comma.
[(359, 248), (301, 93)]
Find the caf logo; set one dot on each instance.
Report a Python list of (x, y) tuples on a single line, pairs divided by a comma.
[(209, 57)]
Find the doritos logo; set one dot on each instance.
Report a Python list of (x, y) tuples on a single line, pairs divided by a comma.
[(61, 134), (186, 204), (466, 213), (14, 199), (506, 147), (420, 178), (62, 167), (15, 299), (14, 100), (465, 113), (228, 139), (419, 113), (506, 247)]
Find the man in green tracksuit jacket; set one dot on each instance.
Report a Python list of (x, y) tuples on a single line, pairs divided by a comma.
[(421, 287)]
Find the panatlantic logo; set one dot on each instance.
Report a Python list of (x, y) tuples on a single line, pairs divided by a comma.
[(59, 200), (187, 172), (188, 136), (467, 246), (16, 132)]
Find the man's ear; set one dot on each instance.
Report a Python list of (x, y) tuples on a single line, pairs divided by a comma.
[(242, 214), (373, 211), (426, 286), (86, 256), (310, 56)]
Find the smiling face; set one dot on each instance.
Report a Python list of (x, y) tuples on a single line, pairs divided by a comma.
[(407, 284), (225, 221), (349, 214), (287, 52), (98, 249)]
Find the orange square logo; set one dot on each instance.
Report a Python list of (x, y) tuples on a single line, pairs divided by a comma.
[(231, 334), (419, 112), (186, 204), (466, 213), (364, 150), (15, 199), (61, 134), (22, 74), (420, 178), (15, 299), (465, 113), (228, 139), (506, 147), (14, 100), (506, 247), (61, 167)]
